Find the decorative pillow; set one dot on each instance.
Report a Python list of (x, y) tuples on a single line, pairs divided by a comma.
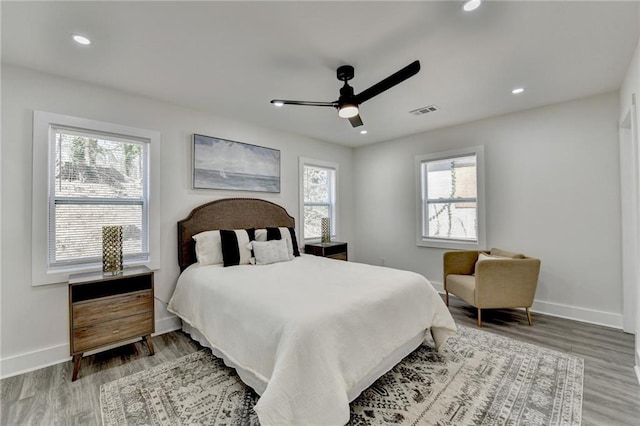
[(267, 252), (288, 234), (208, 248), (235, 246), (484, 256), (502, 253)]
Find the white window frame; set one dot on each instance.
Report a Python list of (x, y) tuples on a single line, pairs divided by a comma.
[(43, 151), (421, 204), (334, 221)]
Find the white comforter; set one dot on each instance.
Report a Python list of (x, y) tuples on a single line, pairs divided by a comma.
[(309, 329)]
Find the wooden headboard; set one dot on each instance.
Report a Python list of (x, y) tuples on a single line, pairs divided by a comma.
[(228, 213)]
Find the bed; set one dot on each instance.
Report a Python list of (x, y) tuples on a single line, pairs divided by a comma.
[(308, 334)]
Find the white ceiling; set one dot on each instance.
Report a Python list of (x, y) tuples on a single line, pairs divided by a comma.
[(232, 58)]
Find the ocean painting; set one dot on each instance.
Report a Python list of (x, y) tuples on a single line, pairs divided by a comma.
[(224, 164)]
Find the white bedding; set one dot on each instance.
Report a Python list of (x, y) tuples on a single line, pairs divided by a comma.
[(308, 331)]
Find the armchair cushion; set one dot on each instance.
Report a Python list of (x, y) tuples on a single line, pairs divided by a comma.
[(463, 286)]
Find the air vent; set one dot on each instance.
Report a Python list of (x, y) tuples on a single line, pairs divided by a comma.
[(424, 110)]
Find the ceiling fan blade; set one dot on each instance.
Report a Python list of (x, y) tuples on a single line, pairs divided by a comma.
[(305, 103), (394, 79), (356, 121)]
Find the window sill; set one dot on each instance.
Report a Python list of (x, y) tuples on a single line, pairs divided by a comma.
[(449, 244), (60, 274)]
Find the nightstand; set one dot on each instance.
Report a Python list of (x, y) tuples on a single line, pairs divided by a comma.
[(333, 250), (107, 309)]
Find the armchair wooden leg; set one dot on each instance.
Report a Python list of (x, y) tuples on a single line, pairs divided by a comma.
[(529, 316), (446, 297), (479, 317)]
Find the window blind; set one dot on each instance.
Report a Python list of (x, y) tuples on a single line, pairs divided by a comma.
[(319, 199), (96, 179), (451, 198)]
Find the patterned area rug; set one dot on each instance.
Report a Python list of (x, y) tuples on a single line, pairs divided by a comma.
[(480, 378)]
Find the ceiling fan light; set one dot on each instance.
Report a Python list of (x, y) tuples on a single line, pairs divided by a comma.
[(470, 5), (81, 39), (348, 111)]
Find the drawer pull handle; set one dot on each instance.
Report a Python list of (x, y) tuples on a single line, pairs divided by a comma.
[(116, 331)]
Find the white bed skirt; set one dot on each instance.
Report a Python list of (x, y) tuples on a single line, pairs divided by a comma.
[(259, 385)]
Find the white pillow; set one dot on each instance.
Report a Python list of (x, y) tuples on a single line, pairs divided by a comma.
[(484, 256), (267, 252), (208, 248)]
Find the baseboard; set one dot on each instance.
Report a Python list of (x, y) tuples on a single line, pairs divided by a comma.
[(576, 313), (23, 363), (593, 316), (637, 367), (30, 361), (165, 325)]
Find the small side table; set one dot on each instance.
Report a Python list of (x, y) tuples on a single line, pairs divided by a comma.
[(334, 250), (107, 309)]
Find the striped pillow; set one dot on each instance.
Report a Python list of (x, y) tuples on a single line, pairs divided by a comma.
[(235, 246), (289, 234), (261, 234)]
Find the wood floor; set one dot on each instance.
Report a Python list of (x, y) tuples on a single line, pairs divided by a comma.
[(611, 390)]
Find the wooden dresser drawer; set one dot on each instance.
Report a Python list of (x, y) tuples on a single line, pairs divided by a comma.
[(105, 333), (339, 256), (108, 308)]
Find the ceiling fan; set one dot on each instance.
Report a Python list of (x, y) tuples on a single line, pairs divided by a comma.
[(348, 104)]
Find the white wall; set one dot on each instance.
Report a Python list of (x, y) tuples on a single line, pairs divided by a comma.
[(34, 330), (552, 192), (631, 85)]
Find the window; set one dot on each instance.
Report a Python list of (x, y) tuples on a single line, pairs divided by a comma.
[(96, 180), (88, 174), (450, 200), (318, 195)]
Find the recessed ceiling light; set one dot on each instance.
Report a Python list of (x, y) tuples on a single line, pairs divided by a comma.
[(363, 132), (470, 5), (517, 90), (278, 103), (81, 39)]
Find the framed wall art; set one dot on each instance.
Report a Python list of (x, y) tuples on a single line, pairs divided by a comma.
[(225, 164)]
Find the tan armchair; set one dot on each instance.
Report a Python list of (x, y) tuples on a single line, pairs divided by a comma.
[(506, 282)]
